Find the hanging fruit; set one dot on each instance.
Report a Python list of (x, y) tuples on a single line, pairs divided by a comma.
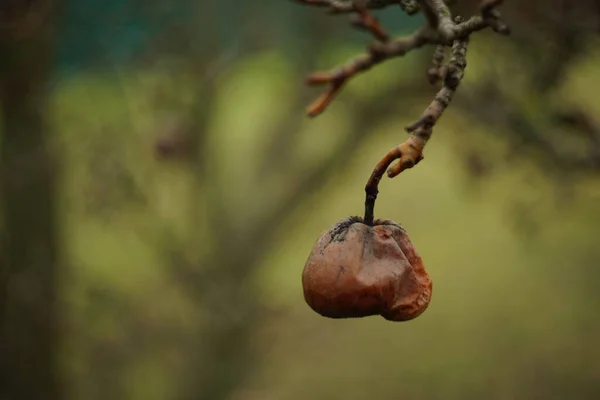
[(357, 270)]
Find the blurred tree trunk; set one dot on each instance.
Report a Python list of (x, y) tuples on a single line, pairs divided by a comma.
[(29, 259)]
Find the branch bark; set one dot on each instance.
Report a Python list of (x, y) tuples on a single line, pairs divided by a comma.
[(441, 29)]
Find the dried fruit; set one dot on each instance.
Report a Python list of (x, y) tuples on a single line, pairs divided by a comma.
[(357, 270)]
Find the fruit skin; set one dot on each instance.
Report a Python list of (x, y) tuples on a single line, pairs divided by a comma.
[(356, 270)]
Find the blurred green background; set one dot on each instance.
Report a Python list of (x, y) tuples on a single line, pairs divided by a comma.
[(162, 189)]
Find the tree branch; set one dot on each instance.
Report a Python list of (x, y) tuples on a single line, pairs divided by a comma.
[(447, 32), (365, 20), (441, 30), (437, 70), (340, 7), (378, 53)]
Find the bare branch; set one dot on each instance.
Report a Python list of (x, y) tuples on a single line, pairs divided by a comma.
[(421, 130), (411, 150), (365, 20), (339, 7), (428, 10), (491, 16), (377, 53), (441, 29), (437, 70), (447, 32)]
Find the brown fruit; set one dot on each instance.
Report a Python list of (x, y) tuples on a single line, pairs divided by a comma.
[(356, 270)]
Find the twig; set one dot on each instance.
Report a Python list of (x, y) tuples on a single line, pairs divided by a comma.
[(446, 32), (491, 16), (410, 152), (365, 20), (441, 30), (437, 70), (421, 129), (340, 7), (439, 17), (377, 53)]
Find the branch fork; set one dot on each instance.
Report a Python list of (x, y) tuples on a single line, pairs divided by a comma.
[(441, 30)]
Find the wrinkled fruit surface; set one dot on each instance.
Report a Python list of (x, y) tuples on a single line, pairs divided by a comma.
[(356, 270)]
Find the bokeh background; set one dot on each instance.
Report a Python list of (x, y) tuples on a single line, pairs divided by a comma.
[(161, 189)]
